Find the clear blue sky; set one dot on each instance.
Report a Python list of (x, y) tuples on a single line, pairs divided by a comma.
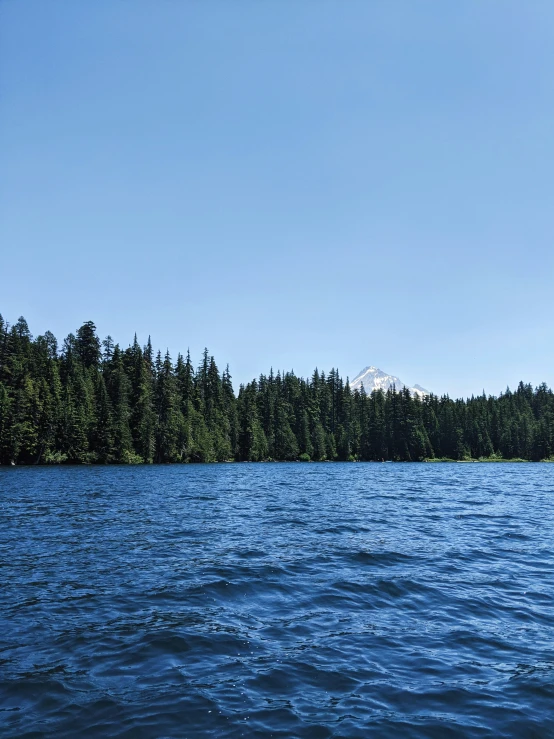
[(291, 184)]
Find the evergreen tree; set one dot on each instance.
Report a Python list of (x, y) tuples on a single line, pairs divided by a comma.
[(87, 345), (84, 405), (118, 388)]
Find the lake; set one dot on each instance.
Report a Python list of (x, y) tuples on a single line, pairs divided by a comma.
[(277, 600)]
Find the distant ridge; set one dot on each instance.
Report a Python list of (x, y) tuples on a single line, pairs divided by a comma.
[(372, 378)]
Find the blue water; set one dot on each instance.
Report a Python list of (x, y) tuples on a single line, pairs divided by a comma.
[(284, 600)]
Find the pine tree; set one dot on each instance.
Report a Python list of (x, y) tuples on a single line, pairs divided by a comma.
[(80, 406), (118, 388), (87, 345)]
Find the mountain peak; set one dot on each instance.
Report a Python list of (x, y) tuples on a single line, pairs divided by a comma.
[(372, 378)]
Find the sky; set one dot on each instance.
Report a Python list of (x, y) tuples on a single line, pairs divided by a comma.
[(291, 184)]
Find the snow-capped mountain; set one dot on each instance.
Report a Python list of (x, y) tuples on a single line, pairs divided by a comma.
[(372, 378)]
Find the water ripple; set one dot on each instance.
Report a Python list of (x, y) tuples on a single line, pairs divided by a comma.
[(281, 600)]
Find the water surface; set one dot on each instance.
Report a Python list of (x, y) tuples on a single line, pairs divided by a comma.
[(285, 600)]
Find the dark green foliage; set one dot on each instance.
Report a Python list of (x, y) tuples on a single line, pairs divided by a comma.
[(87, 345), (118, 388), (96, 403)]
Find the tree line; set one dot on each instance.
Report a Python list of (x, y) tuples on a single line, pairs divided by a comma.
[(93, 402)]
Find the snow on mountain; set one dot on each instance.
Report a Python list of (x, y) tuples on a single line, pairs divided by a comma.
[(372, 378)]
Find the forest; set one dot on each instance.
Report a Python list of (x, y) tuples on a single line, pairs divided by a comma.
[(93, 402)]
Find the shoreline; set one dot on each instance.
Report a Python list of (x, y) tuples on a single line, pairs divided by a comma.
[(280, 461)]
